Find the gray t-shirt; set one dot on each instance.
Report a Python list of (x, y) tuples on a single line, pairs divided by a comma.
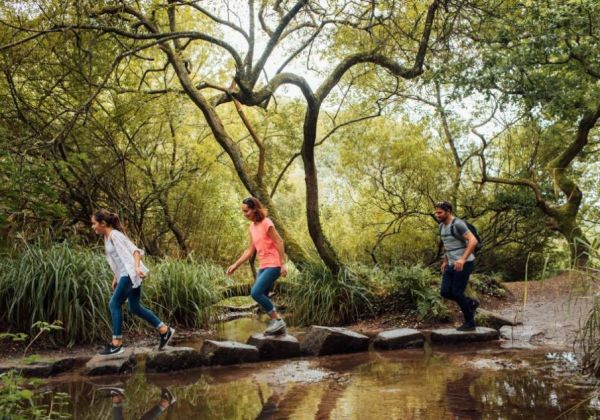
[(455, 248)]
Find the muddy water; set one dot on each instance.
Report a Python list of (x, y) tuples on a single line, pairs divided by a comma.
[(458, 382)]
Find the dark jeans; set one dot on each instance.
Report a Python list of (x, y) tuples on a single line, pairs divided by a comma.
[(263, 285), (453, 287), (125, 291)]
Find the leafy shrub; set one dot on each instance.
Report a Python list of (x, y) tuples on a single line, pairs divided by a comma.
[(316, 296)]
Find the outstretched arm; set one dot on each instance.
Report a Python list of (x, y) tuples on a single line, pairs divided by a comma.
[(278, 241)]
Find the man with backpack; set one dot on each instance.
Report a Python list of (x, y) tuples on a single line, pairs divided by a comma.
[(460, 242)]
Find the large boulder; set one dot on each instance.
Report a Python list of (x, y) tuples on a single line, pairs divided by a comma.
[(451, 336), (333, 340), (173, 358), (228, 352), (110, 365), (490, 319), (400, 338), (271, 347)]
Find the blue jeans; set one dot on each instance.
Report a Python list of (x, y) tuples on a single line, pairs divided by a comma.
[(124, 291), (263, 285), (453, 287)]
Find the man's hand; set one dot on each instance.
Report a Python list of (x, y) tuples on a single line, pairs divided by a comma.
[(458, 265), (444, 265)]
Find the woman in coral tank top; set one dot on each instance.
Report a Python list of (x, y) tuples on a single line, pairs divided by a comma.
[(265, 240)]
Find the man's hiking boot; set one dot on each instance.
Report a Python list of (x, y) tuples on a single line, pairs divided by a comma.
[(466, 327), (165, 338), (111, 350), (276, 327)]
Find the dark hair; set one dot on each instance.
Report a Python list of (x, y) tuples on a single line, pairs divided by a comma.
[(111, 219), (258, 211), (444, 205)]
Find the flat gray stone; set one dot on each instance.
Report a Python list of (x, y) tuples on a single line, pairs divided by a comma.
[(490, 319), (333, 340), (110, 365), (451, 336), (271, 347), (400, 338), (42, 368), (228, 353), (173, 358), (523, 334)]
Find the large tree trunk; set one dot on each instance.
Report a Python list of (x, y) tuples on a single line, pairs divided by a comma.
[(324, 248)]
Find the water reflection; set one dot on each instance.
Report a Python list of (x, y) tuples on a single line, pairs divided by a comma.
[(387, 385)]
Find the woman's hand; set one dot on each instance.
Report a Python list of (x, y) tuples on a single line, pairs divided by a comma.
[(231, 269), (139, 272), (114, 284), (284, 270)]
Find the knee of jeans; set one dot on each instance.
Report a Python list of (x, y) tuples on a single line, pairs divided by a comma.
[(255, 294), (133, 307), (446, 293)]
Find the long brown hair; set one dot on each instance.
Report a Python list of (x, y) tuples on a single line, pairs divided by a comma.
[(111, 219), (258, 211)]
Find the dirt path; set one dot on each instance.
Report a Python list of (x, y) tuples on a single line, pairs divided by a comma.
[(556, 307)]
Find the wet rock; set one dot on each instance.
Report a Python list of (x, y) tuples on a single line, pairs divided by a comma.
[(450, 335), (271, 347), (173, 358), (398, 339), (490, 319), (42, 368), (333, 340), (228, 352), (521, 336), (231, 316), (110, 365)]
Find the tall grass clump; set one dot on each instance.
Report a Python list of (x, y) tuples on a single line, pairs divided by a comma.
[(589, 335), (416, 289), (316, 296), (185, 291), (57, 283)]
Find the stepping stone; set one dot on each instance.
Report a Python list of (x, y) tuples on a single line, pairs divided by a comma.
[(228, 352), (110, 365), (490, 319), (320, 341), (451, 336), (522, 334), (42, 368), (271, 347), (398, 339), (173, 358)]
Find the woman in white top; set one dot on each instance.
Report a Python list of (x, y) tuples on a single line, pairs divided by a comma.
[(125, 260)]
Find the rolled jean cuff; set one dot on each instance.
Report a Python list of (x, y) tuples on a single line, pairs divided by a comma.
[(272, 310), (160, 325), (117, 337)]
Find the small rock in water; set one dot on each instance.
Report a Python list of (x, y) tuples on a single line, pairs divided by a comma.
[(398, 339), (333, 340), (173, 358), (110, 365), (523, 334), (271, 347), (228, 352), (451, 335)]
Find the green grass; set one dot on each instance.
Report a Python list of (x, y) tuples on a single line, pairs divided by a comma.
[(73, 286)]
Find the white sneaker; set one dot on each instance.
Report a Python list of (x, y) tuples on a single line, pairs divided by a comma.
[(276, 326)]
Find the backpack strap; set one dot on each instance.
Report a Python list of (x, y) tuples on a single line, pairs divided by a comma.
[(453, 233)]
